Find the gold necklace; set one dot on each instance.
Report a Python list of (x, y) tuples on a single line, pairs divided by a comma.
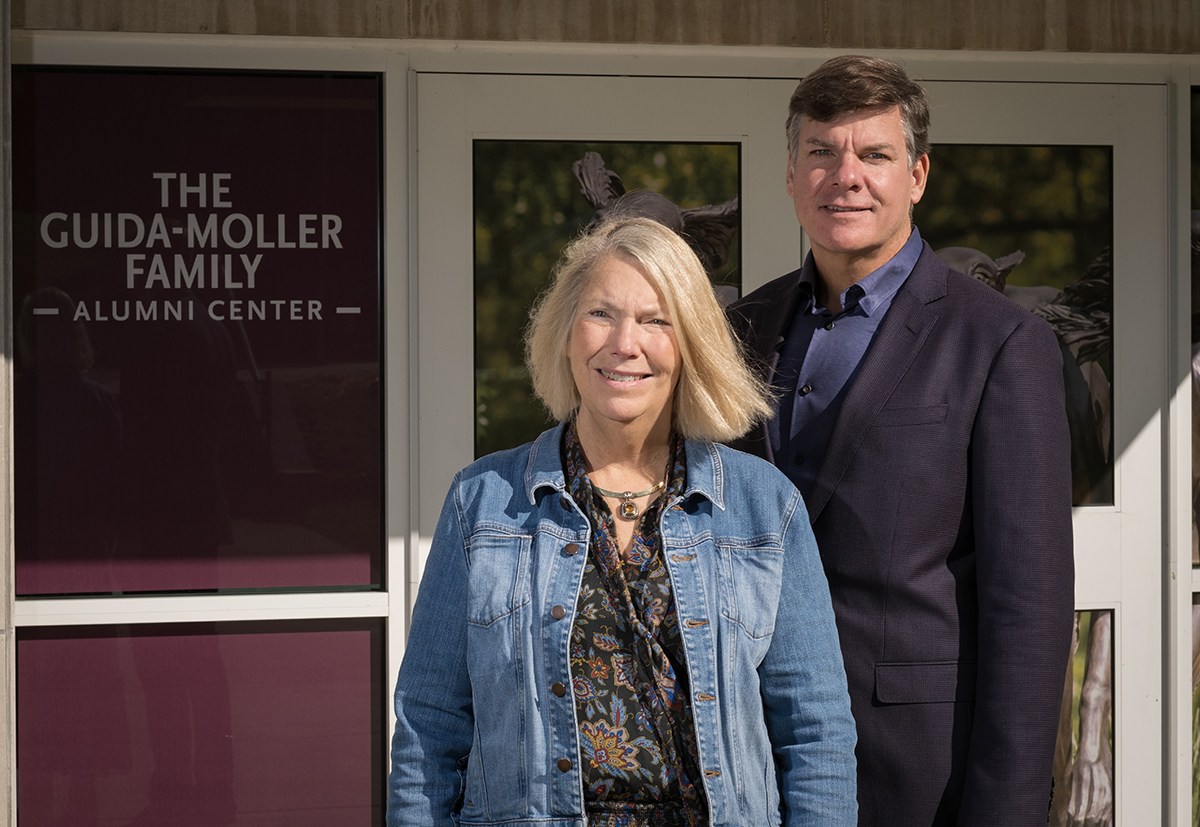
[(628, 509)]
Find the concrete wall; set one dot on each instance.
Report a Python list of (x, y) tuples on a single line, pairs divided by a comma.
[(1128, 26)]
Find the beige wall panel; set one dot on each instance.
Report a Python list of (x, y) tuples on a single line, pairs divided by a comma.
[(774, 23), (1016, 25), (708, 22), (1132, 26), (315, 18)]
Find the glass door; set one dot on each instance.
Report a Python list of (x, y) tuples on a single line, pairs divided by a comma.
[(1052, 193)]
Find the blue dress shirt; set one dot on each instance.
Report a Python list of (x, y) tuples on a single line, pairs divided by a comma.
[(820, 357)]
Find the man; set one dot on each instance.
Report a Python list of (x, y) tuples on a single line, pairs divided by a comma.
[(921, 415)]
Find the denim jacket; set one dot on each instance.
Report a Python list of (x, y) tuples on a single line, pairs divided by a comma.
[(486, 731)]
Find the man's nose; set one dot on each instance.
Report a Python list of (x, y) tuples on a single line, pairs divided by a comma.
[(848, 172)]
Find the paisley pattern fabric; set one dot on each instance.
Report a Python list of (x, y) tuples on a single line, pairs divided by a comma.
[(637, 740)]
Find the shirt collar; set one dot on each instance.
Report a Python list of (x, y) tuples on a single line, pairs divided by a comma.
[(874, 290), (545, 469)]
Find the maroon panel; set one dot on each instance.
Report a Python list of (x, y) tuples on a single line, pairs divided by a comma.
[(197, 283), (201, 724)]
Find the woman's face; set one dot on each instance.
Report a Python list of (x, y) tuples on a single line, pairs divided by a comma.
[(622, 349)]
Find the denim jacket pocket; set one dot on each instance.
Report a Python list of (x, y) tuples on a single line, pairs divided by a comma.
[(498, 562), (751, 584), (925, 682)]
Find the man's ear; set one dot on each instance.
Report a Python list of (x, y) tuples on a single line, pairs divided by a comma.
[(920, 173)]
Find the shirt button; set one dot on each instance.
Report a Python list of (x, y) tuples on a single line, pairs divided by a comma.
[(564, 764), (805, 390), (829, 325), (558, 613), (571, 549), (558, 689), (798, 459)]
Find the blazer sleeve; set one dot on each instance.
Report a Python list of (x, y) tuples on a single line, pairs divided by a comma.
[(1021, 509), (434, 711), (806, 703)]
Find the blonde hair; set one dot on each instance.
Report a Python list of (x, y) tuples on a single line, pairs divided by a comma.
[(718, 397)]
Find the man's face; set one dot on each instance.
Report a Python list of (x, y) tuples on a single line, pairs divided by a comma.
[(853, 189)]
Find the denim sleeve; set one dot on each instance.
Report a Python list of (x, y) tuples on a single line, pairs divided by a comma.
[(434, 713), (806, 702)]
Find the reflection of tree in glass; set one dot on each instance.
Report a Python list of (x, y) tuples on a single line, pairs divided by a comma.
[(1047, 212), (1196, 147), (1083, 756), (1052, 203), (527, 205), (708, 230)]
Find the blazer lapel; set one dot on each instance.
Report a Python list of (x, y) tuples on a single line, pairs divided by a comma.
[(901, 336), (765, 326), (773, 324)]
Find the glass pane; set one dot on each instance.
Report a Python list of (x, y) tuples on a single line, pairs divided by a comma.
[(1195, 285), (1195, 179), (257, 724), (197, 284), (1083, 758), (1036, 223), (530, 199), (1195, 705)]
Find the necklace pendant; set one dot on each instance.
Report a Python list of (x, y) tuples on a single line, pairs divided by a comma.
[(628, 509)]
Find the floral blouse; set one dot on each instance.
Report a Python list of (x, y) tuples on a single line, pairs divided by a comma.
[(637, 739)]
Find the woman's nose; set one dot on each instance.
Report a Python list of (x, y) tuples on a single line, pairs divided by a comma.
[(626, 337)]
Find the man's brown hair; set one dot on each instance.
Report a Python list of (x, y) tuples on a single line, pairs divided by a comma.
[(851, 83)]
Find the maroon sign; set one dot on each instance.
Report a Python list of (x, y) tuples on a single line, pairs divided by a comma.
[(197, 291)]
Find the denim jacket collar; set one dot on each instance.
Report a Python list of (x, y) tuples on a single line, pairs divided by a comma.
[(705, 475)]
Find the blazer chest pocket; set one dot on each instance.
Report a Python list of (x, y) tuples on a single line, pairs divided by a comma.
[(925, 682), (498, 582), (924, 415)]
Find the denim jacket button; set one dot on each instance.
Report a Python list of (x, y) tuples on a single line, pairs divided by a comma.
[(558, 689), (571, 549), (565, 503), (564, 764), (558, 613)]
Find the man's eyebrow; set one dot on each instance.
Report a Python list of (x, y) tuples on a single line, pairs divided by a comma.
[(824, 144)]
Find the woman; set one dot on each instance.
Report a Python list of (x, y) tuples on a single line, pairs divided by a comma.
[(623, 623)]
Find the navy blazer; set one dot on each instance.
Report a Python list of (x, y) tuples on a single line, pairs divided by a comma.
[(943, 517)]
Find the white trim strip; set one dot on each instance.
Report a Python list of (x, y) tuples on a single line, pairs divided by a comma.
[(191, 608)]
